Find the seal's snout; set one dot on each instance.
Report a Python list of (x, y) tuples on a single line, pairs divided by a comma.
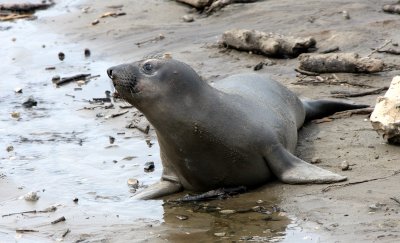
[(110, 72)]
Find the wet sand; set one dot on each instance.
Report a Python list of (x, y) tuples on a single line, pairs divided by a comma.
[(62, 151)]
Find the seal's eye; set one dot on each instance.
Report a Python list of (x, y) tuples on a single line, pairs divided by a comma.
[(148, 67)]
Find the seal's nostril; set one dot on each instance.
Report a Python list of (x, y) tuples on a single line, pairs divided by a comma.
[(110, 72)]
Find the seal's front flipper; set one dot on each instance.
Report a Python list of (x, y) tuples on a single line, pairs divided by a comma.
[(159, 189), (316, 109), (290, 169)]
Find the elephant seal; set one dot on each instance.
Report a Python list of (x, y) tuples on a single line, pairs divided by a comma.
[(240, 132)]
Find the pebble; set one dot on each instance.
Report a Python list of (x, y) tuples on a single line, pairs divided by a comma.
[(187, 18), (227, 211), (316, 160), (96, 21), (182, 217), (220, 234), (149, 166), (31, 196), (15, 114), (111, 139), (345, 165), (346, 14), (18, 90), (87, 52), (55, 78), (75, 200), (10, 148), (29, 103), (61, 56), (132, 182)]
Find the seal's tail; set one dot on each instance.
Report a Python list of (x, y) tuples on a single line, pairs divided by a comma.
[(316, 109)]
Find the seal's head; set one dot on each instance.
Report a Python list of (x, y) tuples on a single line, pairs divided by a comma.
[(154, 81)]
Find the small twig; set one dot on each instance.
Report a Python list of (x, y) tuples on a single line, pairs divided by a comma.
[(118, 114), (377, 49), (25, 230), (61, 219), (390, 51), (306, 72), (47, 210), (346, 94), (330, 50), (395, 199), (10, 214), (66, 233), (71, 79), (358, 182)]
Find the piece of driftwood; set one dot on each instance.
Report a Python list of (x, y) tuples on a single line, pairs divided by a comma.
[(339, 63), (66, 80), (385, 118), (12, 16), (24, 7), (347, 94), (391, 8), (390, 51), (269, 44)]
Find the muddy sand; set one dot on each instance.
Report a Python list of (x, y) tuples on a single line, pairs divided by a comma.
[(62, 151)]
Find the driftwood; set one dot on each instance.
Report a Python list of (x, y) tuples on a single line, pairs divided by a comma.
[(11, 16), (339, 63), (347, 94), (386, 116), (71, 79), (392, 8), (390, 51), (24, 7), (268, 44)]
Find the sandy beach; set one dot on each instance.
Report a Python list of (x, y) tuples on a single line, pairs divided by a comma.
[(61, 148)]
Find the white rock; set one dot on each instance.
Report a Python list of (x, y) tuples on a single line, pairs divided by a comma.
[(31, 196), (385, 118)]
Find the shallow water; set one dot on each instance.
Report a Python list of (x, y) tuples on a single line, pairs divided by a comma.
[(62, 152)]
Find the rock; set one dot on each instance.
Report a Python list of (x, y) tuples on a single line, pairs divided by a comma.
[(187, 18), (56, 78), (182, 217), (15, 114), (29, 103), (149, 166), (345, 165), (385, 118), (61, 56), (134, 183), (345, 14), (31, 196), (227, 211), (111, 139), (220, 234), (10, 148), (316, 160), (18, 90), (87, 52)]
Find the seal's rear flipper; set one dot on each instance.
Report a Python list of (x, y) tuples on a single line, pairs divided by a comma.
[(290, 169), (316, 109), (159, 189)]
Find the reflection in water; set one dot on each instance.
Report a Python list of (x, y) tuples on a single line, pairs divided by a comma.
[(244, 217)]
